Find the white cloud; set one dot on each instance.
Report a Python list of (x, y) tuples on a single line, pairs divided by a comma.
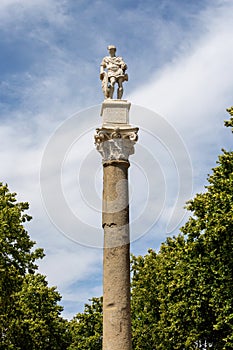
[(195, 82), (69, 264), (19, 11), (193, 91)]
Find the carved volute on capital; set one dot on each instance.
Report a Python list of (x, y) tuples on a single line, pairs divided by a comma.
[(104, 134), (116, 143)]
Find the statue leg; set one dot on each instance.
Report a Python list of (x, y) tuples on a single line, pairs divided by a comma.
[(111, 86), (120, 89)]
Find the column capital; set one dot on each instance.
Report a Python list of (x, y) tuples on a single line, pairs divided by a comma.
[(116, 143), (116, 138)]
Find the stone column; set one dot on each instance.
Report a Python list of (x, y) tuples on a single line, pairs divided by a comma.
[(115, 141)]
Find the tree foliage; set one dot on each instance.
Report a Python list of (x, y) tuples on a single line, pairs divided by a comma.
[(86, 327), (29, 311), (184, 292), (230, 121), (37, 324)]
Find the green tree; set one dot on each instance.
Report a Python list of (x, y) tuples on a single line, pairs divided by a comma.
[(38, 325), (29, 314), (230, 121), (184, 292), (86, 327), (144, 302), (16, 257), (209, 233)]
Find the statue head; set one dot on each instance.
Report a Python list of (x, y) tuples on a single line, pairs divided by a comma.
[(111, 47)]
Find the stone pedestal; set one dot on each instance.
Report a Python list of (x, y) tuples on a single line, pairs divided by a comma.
[(115, 111), (115, 142)]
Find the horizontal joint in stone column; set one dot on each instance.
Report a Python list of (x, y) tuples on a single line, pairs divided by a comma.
[(116, 162)]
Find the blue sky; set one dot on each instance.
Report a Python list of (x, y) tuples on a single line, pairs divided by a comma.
[(180, 59)]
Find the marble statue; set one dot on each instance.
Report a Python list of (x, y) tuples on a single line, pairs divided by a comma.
[(112, 70)]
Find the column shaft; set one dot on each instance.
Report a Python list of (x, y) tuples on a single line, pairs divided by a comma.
[(116, 266)]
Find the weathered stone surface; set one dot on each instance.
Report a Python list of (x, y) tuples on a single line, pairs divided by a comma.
[(116, 319), (115, 142), (116, 299), (116, 149), (115, 111), (114, 132)]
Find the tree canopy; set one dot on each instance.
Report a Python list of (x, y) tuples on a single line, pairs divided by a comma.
[(29, 311), (230, 121), (183, 293), (86, 327)]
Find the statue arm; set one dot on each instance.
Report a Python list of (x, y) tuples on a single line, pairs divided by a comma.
[(122, 64), (102, 71)]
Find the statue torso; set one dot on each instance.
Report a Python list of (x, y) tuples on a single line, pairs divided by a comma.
[(113, 66)]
